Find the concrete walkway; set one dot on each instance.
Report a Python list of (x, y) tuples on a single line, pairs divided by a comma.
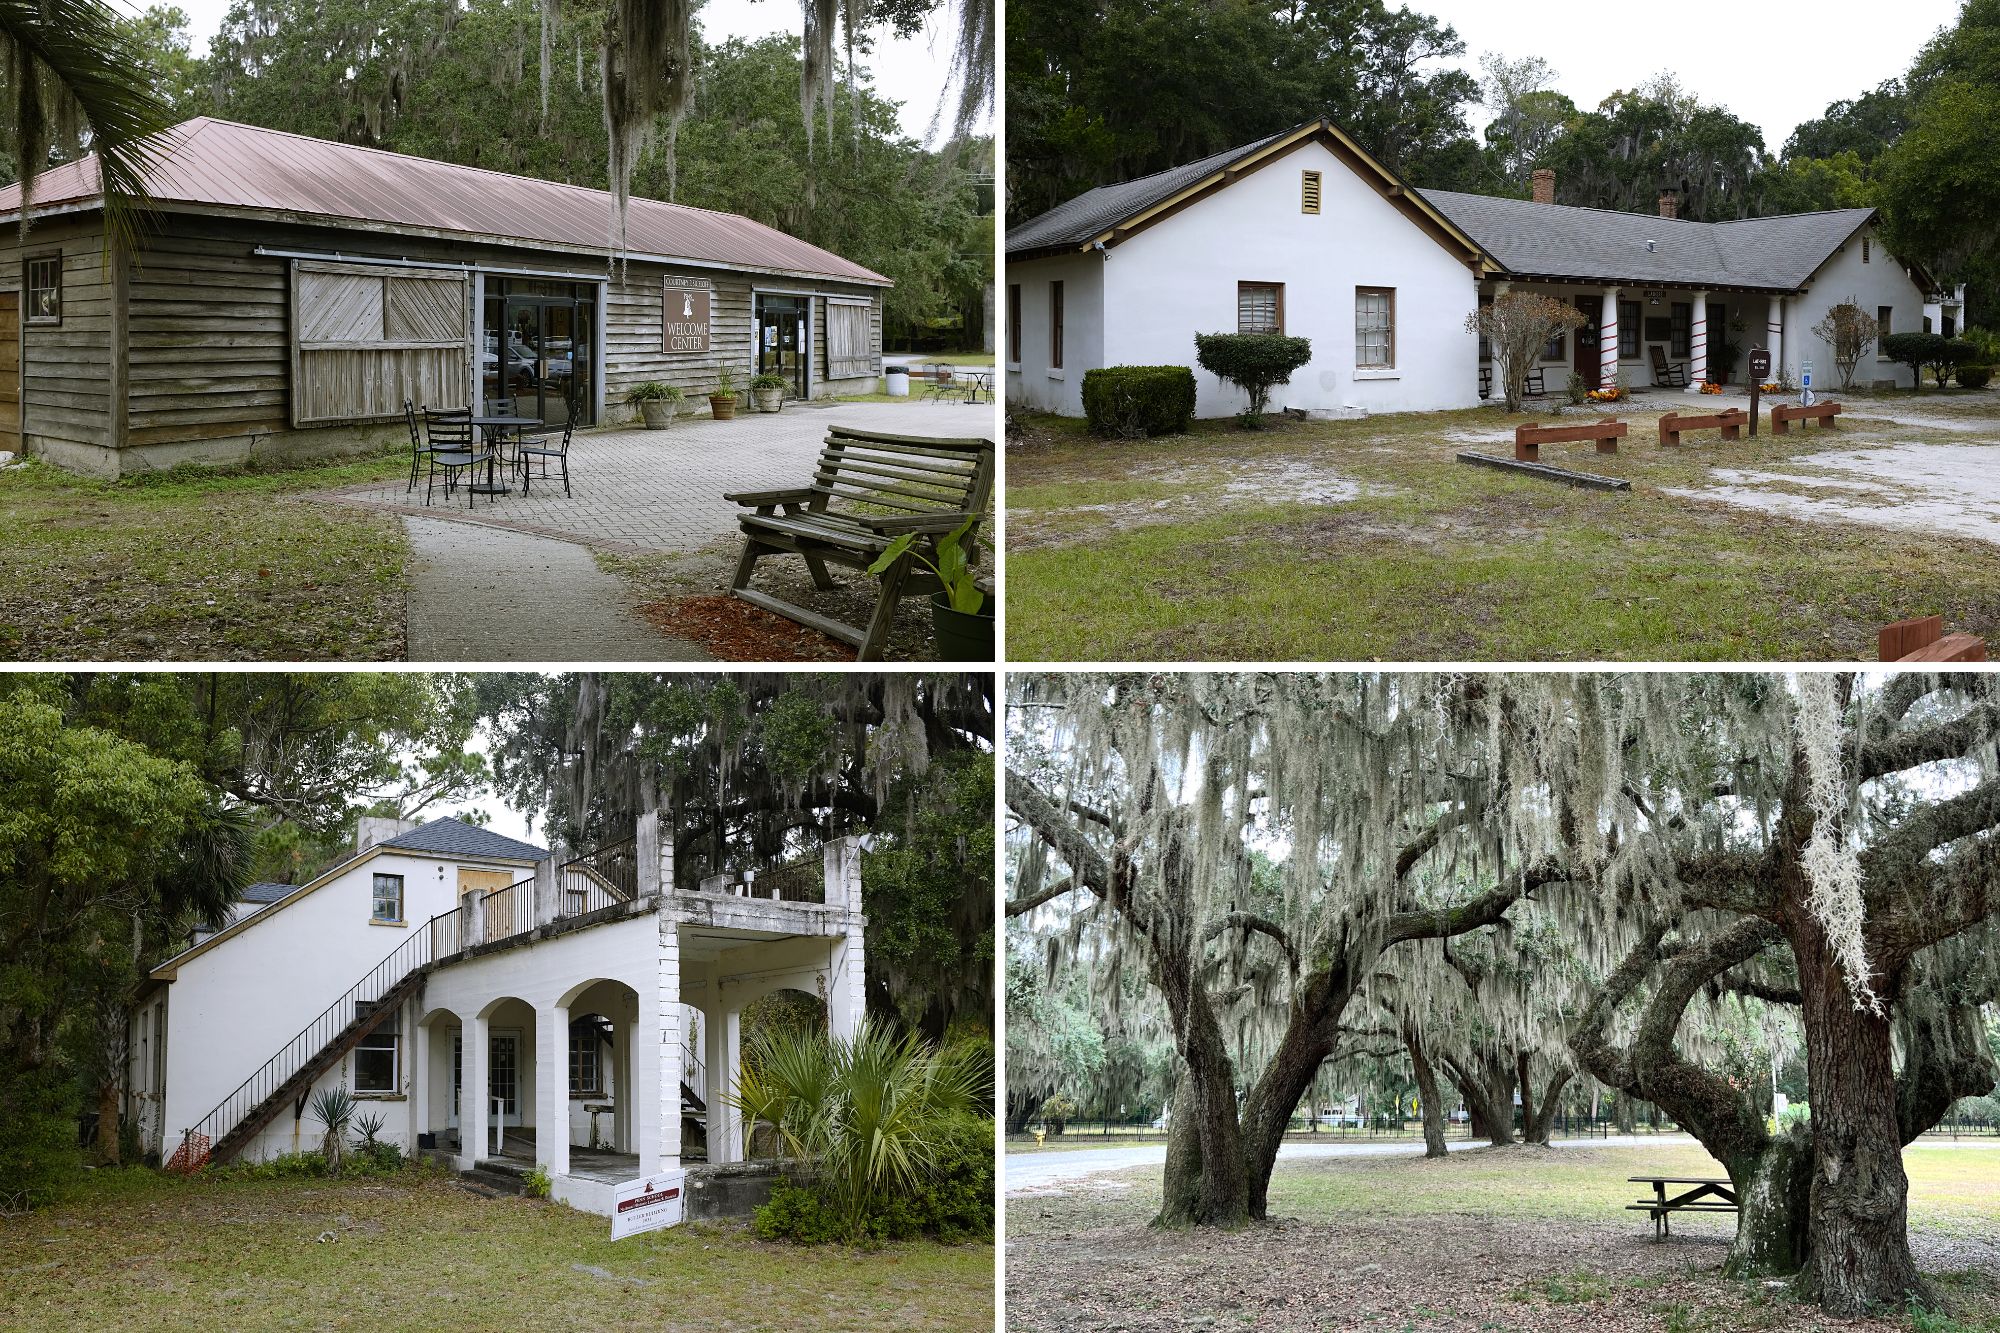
[(482, 594)]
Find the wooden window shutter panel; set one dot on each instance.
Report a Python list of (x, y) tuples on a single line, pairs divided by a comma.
[(1309, 192)]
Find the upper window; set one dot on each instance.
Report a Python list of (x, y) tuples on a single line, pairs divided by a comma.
[(586, 1070), (1014, 323), (388, 898), (1867, 251), (1260, 307), (1374, 328), (44, 284), (1882, 322), (1055, 326), (1309, 192), (375, 1060)]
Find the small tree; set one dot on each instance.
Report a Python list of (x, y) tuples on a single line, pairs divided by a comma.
[(1517, 326), (1915, 350), (1850, 332), (1254, 362)]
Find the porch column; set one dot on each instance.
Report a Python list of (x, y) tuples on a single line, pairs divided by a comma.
[(552, 1091), (1774, 329), (846, 1001), (1698, 345), (720, 1117), (418, 1072), (472, 1111), (1607, 341), (668, 1089)]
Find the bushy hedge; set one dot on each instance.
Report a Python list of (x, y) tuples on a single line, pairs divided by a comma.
[(1131, 401), (1254, 362), (1929, 351), (955, 1203), (1974, 377)]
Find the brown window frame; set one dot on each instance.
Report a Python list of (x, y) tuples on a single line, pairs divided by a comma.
[(1278, 291), (1055, 326), (1312, 192), (1389, 292), (28, 287), (1680, 339), (1014, 323), (585, 1042)]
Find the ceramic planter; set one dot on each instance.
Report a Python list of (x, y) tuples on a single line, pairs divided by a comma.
[(768, 400), (724, 408), (658, 413)]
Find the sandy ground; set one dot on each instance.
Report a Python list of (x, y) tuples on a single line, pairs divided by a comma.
[(1949, 488)]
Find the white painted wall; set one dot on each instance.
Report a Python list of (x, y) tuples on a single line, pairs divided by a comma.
[(234, 1006), (1844, 277), (1030, 381), (1179, 278)]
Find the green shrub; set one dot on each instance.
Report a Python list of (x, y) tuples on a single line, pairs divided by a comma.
[(952, 1202), (1974, 377), (1133, 401), (1985, 345), (39, 1157), (1915, 350), (1253, 362), (539, 1183), (287, 1166)]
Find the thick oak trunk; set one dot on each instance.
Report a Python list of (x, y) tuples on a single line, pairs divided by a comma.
[(1206, 1181), (1774, 1194), (1428, 1101), (1860, 1243), (1537, 1128)]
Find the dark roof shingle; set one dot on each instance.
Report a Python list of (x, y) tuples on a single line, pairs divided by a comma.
[(1091, 212), (455, 837)]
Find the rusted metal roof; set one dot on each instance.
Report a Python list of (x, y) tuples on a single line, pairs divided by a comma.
[(222, 166)]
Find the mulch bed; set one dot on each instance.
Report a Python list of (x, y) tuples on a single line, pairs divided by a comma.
[(736, 631)]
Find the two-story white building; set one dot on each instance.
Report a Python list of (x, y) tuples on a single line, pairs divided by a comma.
[(485, 998), (1304, 233)]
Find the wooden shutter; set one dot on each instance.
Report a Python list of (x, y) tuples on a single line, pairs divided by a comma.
[(367, 337), (1309, 192), (850, 340)]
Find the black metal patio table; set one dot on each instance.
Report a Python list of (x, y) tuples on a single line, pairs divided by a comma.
[(487, 425), (976, 383)]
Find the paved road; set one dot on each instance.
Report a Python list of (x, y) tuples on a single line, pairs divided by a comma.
[(1042, 1171)]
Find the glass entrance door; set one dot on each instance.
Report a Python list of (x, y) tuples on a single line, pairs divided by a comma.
[(781, 339), (537, 350)]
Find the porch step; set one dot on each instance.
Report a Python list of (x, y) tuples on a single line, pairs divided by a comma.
[(494, 1178)]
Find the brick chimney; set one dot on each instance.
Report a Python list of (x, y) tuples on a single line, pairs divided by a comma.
[(1545, 185), (1670, 204)]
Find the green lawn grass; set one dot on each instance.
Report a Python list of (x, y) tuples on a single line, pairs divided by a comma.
[(141, 1250), (1198, 547), (198, 565)]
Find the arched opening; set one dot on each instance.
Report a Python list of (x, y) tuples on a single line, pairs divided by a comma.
[(600, 1093), (501, 1124), (434, 1079)]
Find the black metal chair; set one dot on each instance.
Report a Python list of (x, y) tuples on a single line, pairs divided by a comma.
[(453, 451), (419, 449), (537, 448), (1486, 381)]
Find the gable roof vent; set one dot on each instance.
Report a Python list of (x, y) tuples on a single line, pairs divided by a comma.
[(1309, 192)]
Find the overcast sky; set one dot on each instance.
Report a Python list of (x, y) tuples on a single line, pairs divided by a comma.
[(1773, 63), (910, 71)]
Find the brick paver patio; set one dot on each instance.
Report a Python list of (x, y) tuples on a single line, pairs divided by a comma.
[(642, 491)]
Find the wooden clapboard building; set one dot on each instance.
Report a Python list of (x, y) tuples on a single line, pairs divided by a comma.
[(287, 294)]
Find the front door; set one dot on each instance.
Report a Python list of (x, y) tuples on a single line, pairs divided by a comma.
[(538, 356), (503, 1074), (781, 339), (1585, 342), (10, 372)]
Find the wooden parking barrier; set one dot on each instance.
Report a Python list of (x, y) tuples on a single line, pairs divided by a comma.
[(1783, 417), (1604, 434), (1730, 421), (1923, 639)]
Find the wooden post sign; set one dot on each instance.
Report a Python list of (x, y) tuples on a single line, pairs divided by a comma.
[(684, 315), (1760, 366), (648, 1204)]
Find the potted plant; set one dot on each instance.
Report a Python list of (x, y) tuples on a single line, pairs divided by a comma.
[(656, 402), (960, 619), (768, 392), (1722, 358), (722, 402)]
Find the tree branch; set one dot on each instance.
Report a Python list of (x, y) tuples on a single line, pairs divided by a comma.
[(1250, 921)]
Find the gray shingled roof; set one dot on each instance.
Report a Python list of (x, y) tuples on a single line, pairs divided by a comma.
[(266, 893), (1092, 212), (455, 837), (1555, 240)]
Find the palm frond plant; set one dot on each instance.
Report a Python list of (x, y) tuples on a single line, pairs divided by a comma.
[(334, 1108), (865, 1118), (73, 78)]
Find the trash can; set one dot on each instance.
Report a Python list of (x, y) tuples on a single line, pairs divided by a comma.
[(898, 380)]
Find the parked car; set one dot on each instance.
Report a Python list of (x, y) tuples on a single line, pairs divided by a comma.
[(1342, 1120)]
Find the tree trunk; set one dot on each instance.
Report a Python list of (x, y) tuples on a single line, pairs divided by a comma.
[(108, 1126), (1774, 1196), (1860, 1241), (1626, 1121), (1536, 1128), (1427, 1093), (1525, 1077), (1021, 1108), (1206, 1179)]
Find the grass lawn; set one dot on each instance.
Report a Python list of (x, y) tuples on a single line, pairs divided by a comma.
[(140, 1250), (1365, 540), (1490, 1239), (195, 565)]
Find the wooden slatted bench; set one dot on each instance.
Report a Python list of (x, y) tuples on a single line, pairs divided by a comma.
[(1605, 434), (1730, 421), (1923, 639), (1782, 417), (1707, 1196), (868, 489)]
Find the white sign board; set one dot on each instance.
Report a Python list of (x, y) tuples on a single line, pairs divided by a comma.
[(648, 1204)]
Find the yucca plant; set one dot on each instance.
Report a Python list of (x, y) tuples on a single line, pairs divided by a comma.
[(334, 1108), (866, 1117)]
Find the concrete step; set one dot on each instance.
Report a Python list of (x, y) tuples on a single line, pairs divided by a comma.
[(500, 1177)]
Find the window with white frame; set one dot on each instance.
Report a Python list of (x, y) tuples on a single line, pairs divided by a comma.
[(388, 898), (377, 1060), (44, 287), (1374, 328)]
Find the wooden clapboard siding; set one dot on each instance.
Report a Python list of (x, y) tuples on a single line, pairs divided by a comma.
[(65, 379), (206, 336), (10, 372)]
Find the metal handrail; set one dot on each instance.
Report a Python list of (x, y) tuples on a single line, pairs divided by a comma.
[(384, 977), (505, 913), (614, 867)]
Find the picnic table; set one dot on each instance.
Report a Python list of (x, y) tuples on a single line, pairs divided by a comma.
[(487, 425), (1707, 1196)]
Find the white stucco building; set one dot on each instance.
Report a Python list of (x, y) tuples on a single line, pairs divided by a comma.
[(486, 999), (1303, 233)]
